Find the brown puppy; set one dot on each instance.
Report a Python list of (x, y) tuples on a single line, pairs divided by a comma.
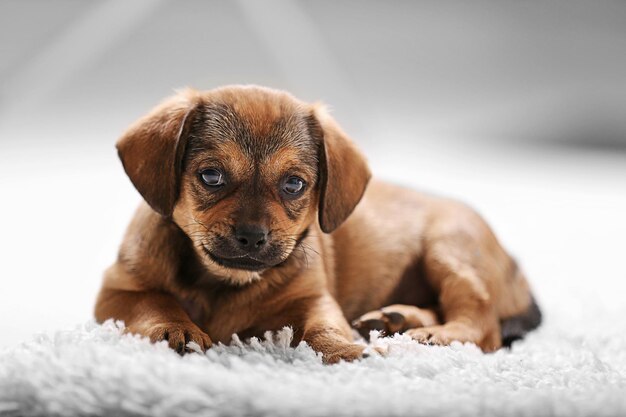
[(259, 216)]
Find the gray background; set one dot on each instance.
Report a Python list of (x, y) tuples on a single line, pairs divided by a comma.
[(517, 107)]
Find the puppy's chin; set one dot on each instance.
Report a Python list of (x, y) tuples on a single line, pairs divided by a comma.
[(231, 276), (245, 263)]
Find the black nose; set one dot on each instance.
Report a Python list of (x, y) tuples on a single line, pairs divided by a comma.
[(251, 237)]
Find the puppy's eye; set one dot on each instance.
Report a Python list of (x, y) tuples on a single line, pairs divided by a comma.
[(293, 185), (212, 177)]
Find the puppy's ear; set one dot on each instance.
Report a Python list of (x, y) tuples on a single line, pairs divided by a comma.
[(152, 150), (344, 173)]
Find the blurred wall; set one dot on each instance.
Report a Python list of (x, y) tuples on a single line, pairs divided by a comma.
[(543, 72)]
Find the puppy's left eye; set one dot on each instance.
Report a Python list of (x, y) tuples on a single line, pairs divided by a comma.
[(212, 177), (293, 185)]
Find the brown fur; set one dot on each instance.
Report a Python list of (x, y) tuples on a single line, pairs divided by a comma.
[(382, 256)]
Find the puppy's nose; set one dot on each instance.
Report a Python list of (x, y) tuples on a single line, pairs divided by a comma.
[(251, 237)]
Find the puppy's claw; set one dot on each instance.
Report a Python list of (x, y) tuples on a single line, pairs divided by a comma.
[(443, 335), (386, 322), (394, 318), (179, 335), (365, 326)]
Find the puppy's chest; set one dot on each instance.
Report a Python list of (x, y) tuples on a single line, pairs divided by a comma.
[(222, 315)]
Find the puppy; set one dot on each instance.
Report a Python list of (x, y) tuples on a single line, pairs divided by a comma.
[(258, 215)]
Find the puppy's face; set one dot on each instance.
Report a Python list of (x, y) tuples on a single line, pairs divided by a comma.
[(249, 186), (246, 172)]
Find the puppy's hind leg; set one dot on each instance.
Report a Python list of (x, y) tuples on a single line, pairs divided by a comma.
[(466, 302), (394, 319)]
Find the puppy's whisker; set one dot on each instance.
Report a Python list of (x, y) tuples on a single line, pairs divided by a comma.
[(307, 247), (297, 235), (197, 242), (198, 232), (197, 237), (306, 257), (296, 240), (196, 222), (188, 229), (300, 248), (300, 254)]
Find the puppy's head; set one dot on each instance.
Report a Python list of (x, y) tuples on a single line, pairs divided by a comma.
[(244, 172)]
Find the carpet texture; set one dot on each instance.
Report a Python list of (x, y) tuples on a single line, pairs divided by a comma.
[(98, 370)]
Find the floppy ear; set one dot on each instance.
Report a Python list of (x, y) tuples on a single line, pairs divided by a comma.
[(152, 150), (344, 173)]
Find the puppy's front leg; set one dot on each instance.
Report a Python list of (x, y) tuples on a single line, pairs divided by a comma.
[(156, 315), (327, 331)]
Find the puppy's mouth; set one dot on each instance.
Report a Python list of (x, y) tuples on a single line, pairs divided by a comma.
[(241, 262)]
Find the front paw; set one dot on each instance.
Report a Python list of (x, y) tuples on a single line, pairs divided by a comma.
[(178, 335), (347, 352)]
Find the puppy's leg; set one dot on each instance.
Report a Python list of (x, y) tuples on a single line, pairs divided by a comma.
[(156, 315), (466, 304), (327, 331), (394, 318)]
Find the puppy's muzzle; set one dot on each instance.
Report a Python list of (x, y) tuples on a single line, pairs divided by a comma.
[(248, 247), (251, 238)]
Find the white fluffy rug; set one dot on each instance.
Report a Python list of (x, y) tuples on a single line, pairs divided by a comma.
[(96, 370)]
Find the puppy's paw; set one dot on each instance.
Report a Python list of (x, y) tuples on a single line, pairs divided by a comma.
[(445, 334), (393, 319), (386, 324), (178, 335), (347, 352)]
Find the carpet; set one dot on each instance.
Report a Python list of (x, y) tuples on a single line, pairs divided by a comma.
[(98, 370)]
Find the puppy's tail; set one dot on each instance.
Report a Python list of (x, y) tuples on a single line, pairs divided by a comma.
[(516, 327)]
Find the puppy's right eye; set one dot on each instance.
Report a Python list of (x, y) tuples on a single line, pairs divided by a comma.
[(212, 177)]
